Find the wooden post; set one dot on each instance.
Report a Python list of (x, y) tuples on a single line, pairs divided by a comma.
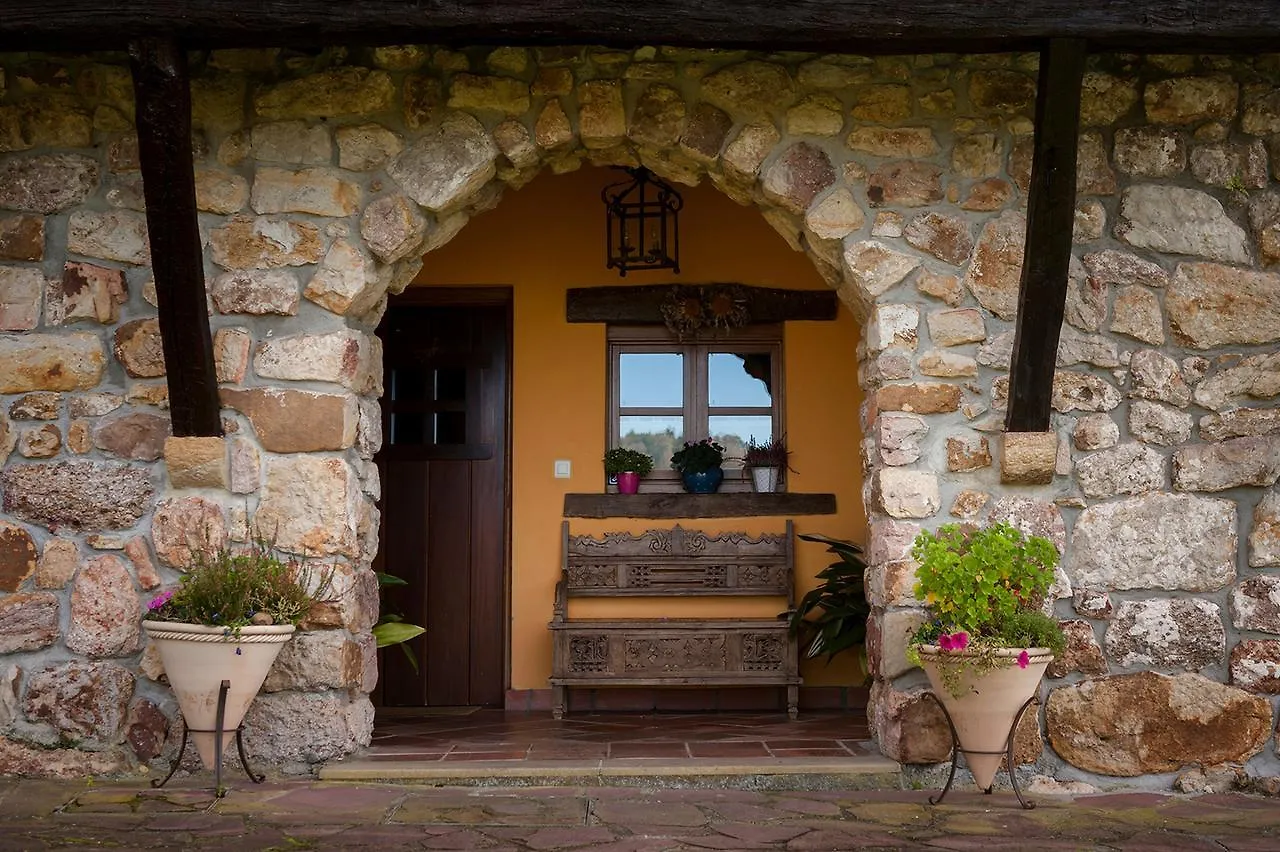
[(1051, 206), (163, 93)]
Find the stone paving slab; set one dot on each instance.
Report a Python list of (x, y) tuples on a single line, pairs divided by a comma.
[(310, 814)]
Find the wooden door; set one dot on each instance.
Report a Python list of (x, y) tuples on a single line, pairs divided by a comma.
[(445, 497)]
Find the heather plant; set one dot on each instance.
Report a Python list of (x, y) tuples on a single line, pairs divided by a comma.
[(233, 587)]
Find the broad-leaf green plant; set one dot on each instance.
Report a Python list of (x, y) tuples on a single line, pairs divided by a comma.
[(832, 617), (392, 629)]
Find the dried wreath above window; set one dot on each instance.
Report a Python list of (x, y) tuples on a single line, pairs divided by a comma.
[(688, 311)]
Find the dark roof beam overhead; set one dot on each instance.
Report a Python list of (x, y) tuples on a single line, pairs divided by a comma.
[(906, 26)]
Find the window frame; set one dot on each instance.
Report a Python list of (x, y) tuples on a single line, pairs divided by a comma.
[(696, 408)]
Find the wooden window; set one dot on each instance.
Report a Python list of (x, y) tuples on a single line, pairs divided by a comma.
[(663, 392)]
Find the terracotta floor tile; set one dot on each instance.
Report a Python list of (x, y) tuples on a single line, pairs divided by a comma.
[(677, 750), (703, 749), (486, 755), (810, 752)]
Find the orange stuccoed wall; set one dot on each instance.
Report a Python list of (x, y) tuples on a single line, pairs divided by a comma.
[(549, 236)]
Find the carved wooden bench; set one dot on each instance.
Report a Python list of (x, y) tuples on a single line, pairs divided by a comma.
[(674, 651)]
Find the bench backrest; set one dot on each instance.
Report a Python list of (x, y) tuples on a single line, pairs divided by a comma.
[(677, 562)]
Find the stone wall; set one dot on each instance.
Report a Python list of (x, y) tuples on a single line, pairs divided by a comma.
[(324, 178)]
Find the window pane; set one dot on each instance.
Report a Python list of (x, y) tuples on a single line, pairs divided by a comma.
[(651, 380), (733, 432), (739, 380), (657, 436)]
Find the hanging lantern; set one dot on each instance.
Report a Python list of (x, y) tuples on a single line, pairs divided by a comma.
[(642, 219)]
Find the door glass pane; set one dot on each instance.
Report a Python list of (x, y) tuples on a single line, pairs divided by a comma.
[(451, 427), (407, 427), (451, 384), (739, 380), (408, 383), (734, 432), (657, 436), (651, 380)]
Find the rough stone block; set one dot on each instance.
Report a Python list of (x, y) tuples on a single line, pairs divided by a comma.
[(1129, 725), (1162, 633), (1028, 458), (196, 462), (1155, 541)]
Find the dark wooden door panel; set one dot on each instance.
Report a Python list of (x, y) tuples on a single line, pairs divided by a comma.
[(446, 495)]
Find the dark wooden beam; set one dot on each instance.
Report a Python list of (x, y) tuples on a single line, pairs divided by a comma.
[(678, 505), (1051, 206), (643, 305), (163, 94), (850, 25)]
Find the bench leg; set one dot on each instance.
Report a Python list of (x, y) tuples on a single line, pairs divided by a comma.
[(793, 701), (557, 702)]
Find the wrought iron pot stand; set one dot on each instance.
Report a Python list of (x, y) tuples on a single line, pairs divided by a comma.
[(1008, 750), (218, 732)]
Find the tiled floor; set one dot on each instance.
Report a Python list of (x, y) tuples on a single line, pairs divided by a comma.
[(496, 735)]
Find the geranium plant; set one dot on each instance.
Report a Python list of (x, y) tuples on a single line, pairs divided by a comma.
[(985, 591), (698, 456), (233, 587)]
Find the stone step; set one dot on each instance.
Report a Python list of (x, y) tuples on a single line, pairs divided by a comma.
[(855, 773)]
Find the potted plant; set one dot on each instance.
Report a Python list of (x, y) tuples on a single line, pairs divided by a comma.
[(987, 641), (226, 621), (699, 463), (766, 462), (832, 617), (627, 466)]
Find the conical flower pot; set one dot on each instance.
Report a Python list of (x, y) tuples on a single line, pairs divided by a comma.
[(985, 704), (197, 659)]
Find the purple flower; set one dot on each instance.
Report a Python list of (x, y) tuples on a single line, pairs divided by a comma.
[(160, 600), (1024, 659)]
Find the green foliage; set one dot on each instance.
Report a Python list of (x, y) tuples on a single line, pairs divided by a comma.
[(699, 456), (622, 459), (231, 586), (984, 589), (975, 580), (772, 453), (833, 617), (391, 628)]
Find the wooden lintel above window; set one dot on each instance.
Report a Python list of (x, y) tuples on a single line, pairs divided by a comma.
[(643, 305), (743, 505)]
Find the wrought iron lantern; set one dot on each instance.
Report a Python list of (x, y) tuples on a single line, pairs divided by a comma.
[(642, 223)]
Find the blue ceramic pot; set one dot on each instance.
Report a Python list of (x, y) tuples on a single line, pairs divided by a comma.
[(704, 481)]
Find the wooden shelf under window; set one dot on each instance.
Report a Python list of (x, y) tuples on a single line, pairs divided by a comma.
[(679, 505)]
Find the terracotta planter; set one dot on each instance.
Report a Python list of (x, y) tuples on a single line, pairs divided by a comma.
[(628, 482), (987, 703), (764, 479), (197, 659)]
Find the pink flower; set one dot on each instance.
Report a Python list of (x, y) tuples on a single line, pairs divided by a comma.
[(959, 640), (944, 641), (1024, 659), (160, 600)]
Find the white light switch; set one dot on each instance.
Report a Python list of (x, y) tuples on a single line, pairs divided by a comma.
[(563, 469)]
